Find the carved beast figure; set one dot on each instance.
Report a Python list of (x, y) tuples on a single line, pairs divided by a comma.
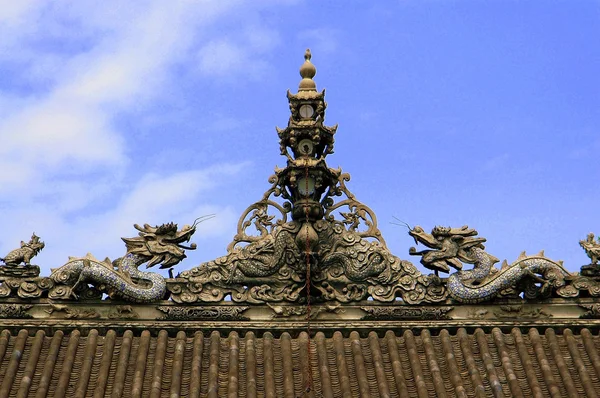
[(592, 248), (25, 253), (163, 245), (450, 247)]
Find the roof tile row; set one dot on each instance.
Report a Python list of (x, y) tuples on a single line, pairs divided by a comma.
[(481, 364)]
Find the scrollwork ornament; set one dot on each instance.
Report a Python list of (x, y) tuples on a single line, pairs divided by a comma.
[(567, 291), (29, 290)]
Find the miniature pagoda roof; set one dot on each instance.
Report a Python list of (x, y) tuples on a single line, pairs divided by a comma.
[(307, 302)]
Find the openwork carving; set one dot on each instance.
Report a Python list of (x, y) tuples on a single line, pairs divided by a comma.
[(202, 313), (15, 311), (336, 244), (402, 312), (580, 286), (450, 247)]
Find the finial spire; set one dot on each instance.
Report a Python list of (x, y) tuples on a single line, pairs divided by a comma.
[(307, 71)]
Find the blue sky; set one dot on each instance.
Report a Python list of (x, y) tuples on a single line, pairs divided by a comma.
[(449, 112)]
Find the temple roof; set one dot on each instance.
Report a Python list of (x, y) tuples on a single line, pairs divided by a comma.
[(308, 301)]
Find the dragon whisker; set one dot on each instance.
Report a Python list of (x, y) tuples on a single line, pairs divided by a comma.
[(202, 218)]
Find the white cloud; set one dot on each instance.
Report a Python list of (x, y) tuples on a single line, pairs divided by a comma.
[(73, 68), (224, 56), (155, 199)]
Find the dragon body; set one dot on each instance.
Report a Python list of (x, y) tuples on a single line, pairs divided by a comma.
[(355, 270), (116, 282), (122, 278), (265, 257), (482, 284), (452, 246)]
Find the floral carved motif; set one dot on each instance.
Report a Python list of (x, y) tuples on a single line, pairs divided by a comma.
[(405, 312), (15, 311), (202, 313)]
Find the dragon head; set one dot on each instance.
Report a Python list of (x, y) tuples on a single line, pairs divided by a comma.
[(162, 244), (450, 246), (35, 244)]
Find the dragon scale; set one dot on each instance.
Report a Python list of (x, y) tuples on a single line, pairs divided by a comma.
[(162, 245), (451, 247), (460, 290), (97, 273)]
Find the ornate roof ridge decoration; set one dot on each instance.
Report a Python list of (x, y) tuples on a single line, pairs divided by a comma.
[(347, 259), (307, 232)]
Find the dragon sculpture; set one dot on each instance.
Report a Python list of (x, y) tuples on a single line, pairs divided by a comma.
[(450, 247), (121, 278), (344, 267)]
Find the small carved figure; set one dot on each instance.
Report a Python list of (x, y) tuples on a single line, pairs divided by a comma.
[(592, 249), (25, 253)]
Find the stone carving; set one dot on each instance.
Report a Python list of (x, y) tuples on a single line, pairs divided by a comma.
[(477, 313), (123, 312), (15, 311), (592, 249), (202, 313), (24, 287), (121, 278), (593, 311), (519, 311), (286, 311), (405, 312), (72, 312), (24, 254), (450, 247)]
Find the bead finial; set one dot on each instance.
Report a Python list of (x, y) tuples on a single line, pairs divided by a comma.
[(307, 71)]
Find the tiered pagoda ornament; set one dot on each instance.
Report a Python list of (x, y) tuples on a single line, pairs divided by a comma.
[(345, 260)]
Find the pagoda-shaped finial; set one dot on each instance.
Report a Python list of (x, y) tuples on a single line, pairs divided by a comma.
[(307, 71)]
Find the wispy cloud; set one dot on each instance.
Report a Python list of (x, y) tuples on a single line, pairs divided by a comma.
[(72, 69), (222, 56)]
